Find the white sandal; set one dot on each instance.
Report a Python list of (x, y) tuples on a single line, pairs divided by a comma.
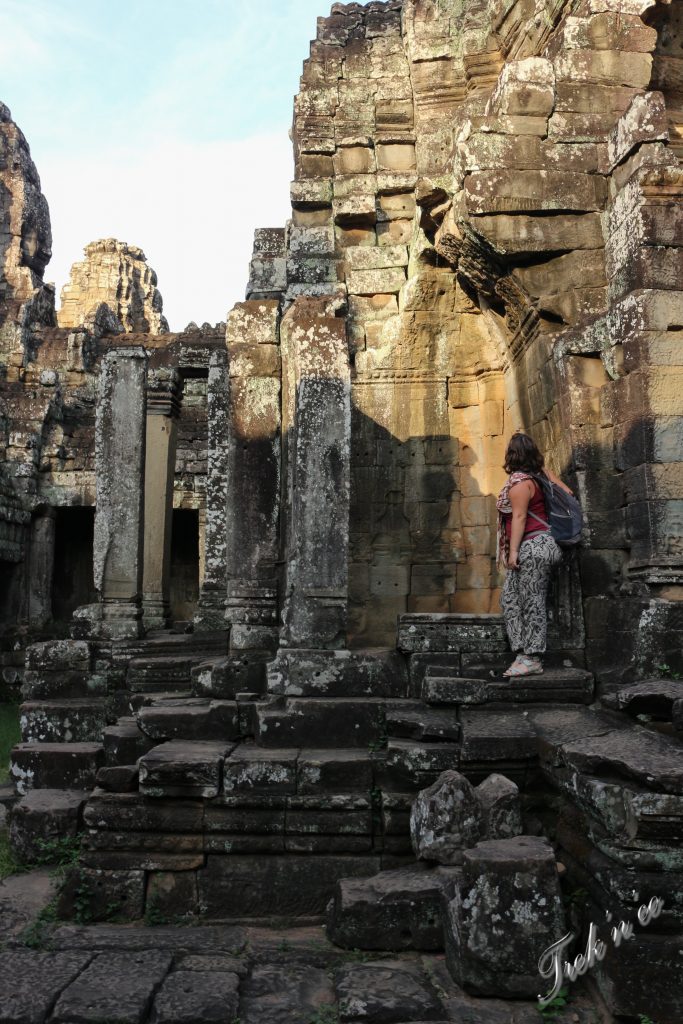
[(524, 666)]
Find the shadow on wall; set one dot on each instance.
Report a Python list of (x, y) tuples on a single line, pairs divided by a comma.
[(422, 533)]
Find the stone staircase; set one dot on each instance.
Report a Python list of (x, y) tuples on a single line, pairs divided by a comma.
[(255, 789), (236, 802)]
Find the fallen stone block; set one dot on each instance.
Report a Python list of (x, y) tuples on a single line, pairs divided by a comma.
[(394, 910), (116, 987), (42, 819), (507, 912), (445, 819), (500, 806), (190, 996)]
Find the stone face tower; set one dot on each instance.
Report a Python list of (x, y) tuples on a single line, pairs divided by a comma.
[(116, 274)]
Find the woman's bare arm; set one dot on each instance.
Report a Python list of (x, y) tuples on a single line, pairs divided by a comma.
[(520, 496), (556, 480)]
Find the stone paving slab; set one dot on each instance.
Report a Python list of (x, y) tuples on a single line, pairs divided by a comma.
[(117, 988), (209, 938), (31, 982), (189, 997), (388, 993), (285, 995)]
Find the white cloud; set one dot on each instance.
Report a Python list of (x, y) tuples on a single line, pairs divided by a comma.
[(192, 208)]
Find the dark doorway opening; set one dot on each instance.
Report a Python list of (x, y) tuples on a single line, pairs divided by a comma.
[(72, 584), (184, 564)]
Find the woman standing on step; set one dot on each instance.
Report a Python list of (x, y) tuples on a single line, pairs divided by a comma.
[(527, 551)]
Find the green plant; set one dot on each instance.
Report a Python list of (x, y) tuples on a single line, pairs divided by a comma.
[(62, 852), (10, 735), (37, 934), (644, 1019), (380, 741), (154, 915), (9, 865), (551, 1011), (326, 1013), (667, 671)]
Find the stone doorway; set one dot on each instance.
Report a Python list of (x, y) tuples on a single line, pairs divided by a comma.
[(72, 583), (184, 564)]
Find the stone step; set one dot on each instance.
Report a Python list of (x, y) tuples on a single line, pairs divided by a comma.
[(225, 677), (62, 721), (393, 910), (655, 698), (167, 673), (55, 765), (193, 719), (251, 770), (163, 643), (342, 673), (427, 632), (560, 685), (497, 740), (43, 817), (182, 768), (417, 722), (326, 722), (125, 742), (410, 765)]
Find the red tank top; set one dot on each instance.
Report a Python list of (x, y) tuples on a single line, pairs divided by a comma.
[(537, 506)]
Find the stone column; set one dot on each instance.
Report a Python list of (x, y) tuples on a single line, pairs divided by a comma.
[(163, 406), (253, 474), (120, 467), (210, 613), (41, 562), (317, 408)]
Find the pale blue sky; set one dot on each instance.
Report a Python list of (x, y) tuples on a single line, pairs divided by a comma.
[(163, 123)]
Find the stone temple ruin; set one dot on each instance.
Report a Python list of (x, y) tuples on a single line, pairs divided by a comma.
[(249, 588)]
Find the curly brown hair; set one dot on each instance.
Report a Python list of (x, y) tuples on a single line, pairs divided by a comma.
[(523, 455)]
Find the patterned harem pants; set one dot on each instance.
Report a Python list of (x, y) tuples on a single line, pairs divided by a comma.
[(525, 592)]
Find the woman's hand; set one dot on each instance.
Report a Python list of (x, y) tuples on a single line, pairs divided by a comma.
[(513, 560)]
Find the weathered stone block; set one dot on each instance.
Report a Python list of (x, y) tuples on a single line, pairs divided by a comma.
[(507, 912), (41, 819), (55, 765), (500, 806), (445, 819), (184, 769)]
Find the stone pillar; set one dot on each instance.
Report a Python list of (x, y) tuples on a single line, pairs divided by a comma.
[(317, 409), (210, 613), (41, 562), (254, 455), (120, 468), (163, 406)]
